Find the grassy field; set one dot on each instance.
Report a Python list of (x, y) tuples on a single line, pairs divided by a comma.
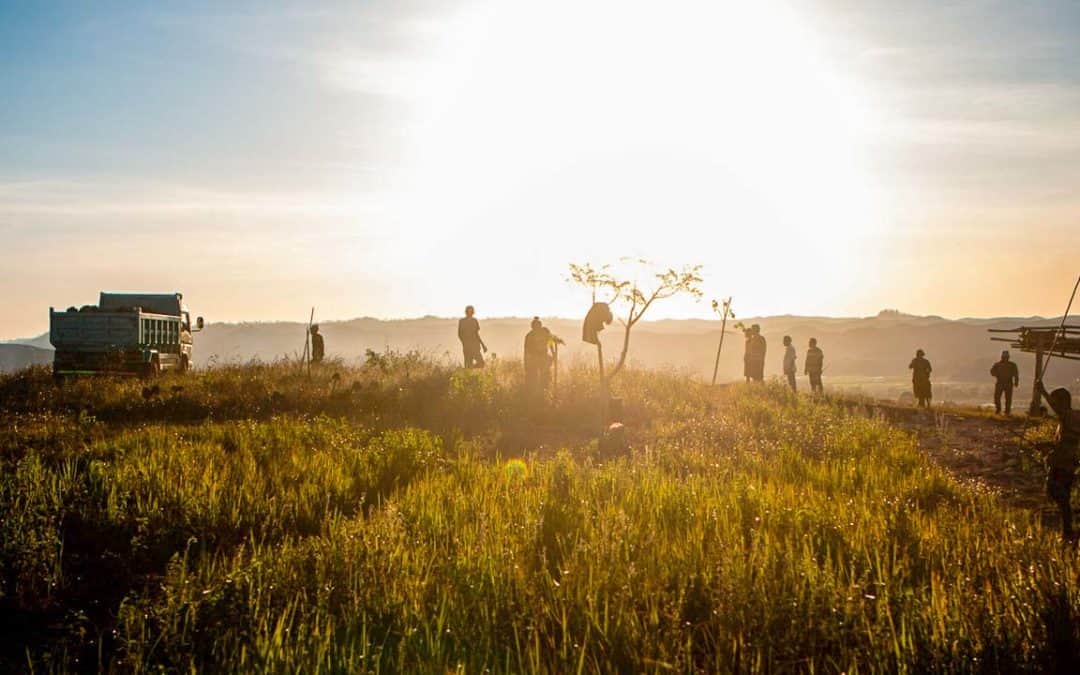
[(405, 516)]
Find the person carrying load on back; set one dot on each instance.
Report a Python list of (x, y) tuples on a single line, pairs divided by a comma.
[(468, 331), (1061, 461), (814, 365), (789, 362), (538, 356), (920, 379), (1006, 377)]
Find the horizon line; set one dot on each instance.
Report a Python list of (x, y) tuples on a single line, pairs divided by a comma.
[(765, 317)]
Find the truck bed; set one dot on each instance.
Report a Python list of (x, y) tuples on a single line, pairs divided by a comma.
[(93, 331), (127, 341)]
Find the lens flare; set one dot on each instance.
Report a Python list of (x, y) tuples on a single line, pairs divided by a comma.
[(516, 469)]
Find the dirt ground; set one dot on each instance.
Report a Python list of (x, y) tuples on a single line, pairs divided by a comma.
[(1003, 453)]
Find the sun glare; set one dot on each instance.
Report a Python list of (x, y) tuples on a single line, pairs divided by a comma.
[(688, 132)]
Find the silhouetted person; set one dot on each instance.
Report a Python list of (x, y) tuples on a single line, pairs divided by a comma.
[(468, 331), (814, 365), (747, 357), (538, 357), (1062, 459), (754, 356), (920, 379), (789, 362), (318, 347), (1006, 376)]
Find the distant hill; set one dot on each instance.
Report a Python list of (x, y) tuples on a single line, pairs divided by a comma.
[(860, 351), (14, 356), (871, 348)]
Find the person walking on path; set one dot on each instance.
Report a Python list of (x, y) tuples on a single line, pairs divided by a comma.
[(1061, 461), (920, 379), (468, 331), (814, 365), (789, 362), (1006, 376)]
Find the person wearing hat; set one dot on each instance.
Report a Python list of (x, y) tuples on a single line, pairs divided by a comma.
[(920, 379), (1006, 376), (318, 347)]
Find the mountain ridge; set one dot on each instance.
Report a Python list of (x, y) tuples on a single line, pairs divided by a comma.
[(874, 349)]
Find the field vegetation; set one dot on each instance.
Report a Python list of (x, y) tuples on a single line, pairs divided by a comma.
[(408, 516)]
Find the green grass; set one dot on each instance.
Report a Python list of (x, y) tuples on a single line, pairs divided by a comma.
[(369, 519)]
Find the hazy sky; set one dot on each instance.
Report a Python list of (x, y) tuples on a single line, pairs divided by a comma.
[(400, 158)]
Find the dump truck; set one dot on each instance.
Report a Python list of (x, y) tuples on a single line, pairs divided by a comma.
[(125, 333)]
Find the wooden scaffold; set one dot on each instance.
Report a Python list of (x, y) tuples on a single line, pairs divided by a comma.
[(1045, 342)]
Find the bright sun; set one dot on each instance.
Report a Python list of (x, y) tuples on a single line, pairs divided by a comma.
[(683, 132)]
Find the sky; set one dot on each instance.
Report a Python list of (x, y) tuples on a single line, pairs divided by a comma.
[(404, 158)]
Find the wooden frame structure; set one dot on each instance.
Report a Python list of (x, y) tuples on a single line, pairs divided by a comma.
[(1044, 342)]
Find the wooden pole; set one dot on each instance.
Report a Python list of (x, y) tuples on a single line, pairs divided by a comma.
[(1061, 329), (723, 326), (1040, 367), (1035, 410), (307, 342), (600, 358)]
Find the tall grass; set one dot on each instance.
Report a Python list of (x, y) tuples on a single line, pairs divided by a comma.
[(386, 529)]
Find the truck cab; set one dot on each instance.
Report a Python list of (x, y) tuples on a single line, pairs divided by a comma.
[(127, 333)]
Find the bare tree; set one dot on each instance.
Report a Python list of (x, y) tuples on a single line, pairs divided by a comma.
[(636, 293)]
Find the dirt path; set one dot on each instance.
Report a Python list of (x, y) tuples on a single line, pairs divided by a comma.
[(999, 452)]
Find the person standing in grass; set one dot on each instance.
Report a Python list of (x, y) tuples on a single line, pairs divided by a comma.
[(789, 362), (920, 379), (1063, 457), (1006, 376), (760, 347), (538, 357), (748, 356), (468, 331), (318, 347), (814, 365), (754, 356)]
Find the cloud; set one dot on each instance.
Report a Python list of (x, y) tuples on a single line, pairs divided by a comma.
[(137, 198), (382, 48)]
